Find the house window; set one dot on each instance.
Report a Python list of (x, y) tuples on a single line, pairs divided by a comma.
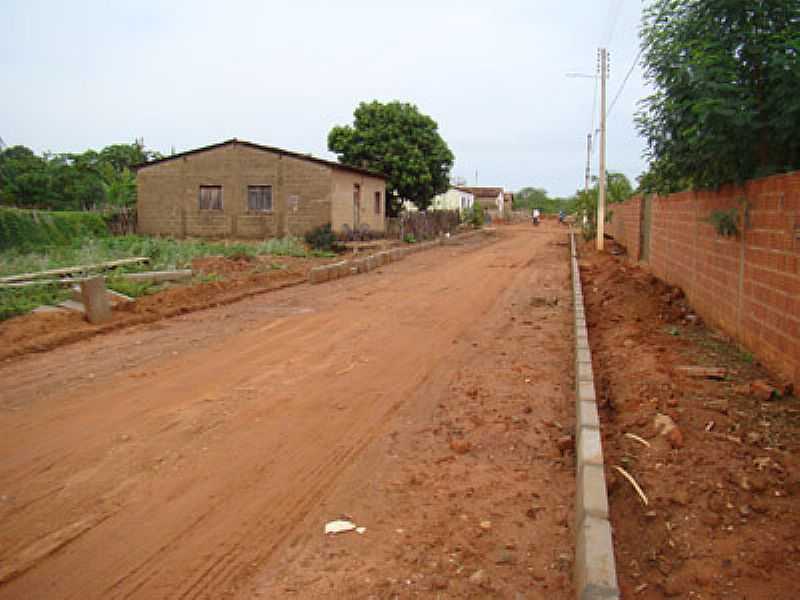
[(210, 197), (377, 203), (259, 198)]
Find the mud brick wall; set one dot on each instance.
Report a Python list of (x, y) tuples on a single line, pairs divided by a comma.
[(747, 285), (302, 194)]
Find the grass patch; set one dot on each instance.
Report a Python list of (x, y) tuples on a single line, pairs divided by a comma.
[(18, 301), (134, 289), (165, 254)]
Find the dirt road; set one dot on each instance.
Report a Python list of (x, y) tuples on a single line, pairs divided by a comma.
[(199, 457)]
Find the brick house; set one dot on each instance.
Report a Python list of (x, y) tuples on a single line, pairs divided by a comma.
[(243, 190)]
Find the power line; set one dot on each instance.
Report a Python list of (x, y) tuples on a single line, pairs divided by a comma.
[(624, 81)]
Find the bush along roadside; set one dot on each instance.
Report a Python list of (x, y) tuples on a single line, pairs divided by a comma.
[(26, 230)]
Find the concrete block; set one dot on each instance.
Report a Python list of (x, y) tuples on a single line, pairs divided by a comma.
[(587, 415), (372, 263), (319, 274), (590, 447), (584, 371), (580, 325), (595, 570), (585, 391), (582, 338), (592, 499), (93, 295), (583, 355), (72, 305)]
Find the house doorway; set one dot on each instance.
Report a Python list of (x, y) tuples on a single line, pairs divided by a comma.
[(356, 205)]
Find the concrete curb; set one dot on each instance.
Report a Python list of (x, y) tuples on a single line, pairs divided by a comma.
[(595, 570), (344, 268)]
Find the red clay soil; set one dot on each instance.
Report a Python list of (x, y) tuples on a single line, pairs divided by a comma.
[(723, 519), (200, 457), (36, 332)]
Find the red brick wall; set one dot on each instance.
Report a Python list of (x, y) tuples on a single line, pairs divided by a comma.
[(626, 225), (748, 285)]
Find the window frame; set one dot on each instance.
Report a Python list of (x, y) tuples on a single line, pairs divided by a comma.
[(271, 198), (210, 207), (378, 202)]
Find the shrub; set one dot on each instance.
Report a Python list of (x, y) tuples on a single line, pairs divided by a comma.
[(476, 216), (409, 238), (321, 237), (725, 222)]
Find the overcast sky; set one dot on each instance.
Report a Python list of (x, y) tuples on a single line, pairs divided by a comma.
[(78, 75)]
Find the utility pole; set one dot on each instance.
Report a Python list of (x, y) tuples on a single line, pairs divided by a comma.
[(588, 161), (601, 200)]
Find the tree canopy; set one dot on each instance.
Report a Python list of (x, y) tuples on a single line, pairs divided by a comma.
[(529, 198), (727, 91), (397, 140), (85, 181)]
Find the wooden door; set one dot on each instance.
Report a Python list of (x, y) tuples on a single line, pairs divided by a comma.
[(356, 205)]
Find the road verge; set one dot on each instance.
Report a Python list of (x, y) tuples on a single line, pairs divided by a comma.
[(595, 570)]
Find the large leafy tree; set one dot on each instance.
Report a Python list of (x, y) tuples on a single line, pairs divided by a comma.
[(397, 140), (726, 105), (25, 179), (86, 181)]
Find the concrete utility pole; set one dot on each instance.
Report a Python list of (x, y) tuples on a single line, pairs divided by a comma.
[(588, 161), (601, 200)]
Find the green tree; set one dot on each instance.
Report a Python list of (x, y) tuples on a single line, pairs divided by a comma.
[(618, 189), (727, 91), (529, 198), (397, 140), (87, 181), (25, 179)]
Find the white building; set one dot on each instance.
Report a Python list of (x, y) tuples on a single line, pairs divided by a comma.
[(453, 199)]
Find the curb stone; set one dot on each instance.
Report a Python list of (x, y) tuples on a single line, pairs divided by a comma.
[(595, 570)]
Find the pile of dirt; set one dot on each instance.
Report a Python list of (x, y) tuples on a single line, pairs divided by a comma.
[(228, 280), (713, 449)]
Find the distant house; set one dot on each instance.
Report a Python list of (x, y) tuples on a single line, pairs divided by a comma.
[(456, 198), (490, 198), (508, 200), (244, 190)]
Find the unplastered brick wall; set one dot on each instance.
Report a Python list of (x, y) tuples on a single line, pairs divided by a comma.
[(747, 285), (625, 223)]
